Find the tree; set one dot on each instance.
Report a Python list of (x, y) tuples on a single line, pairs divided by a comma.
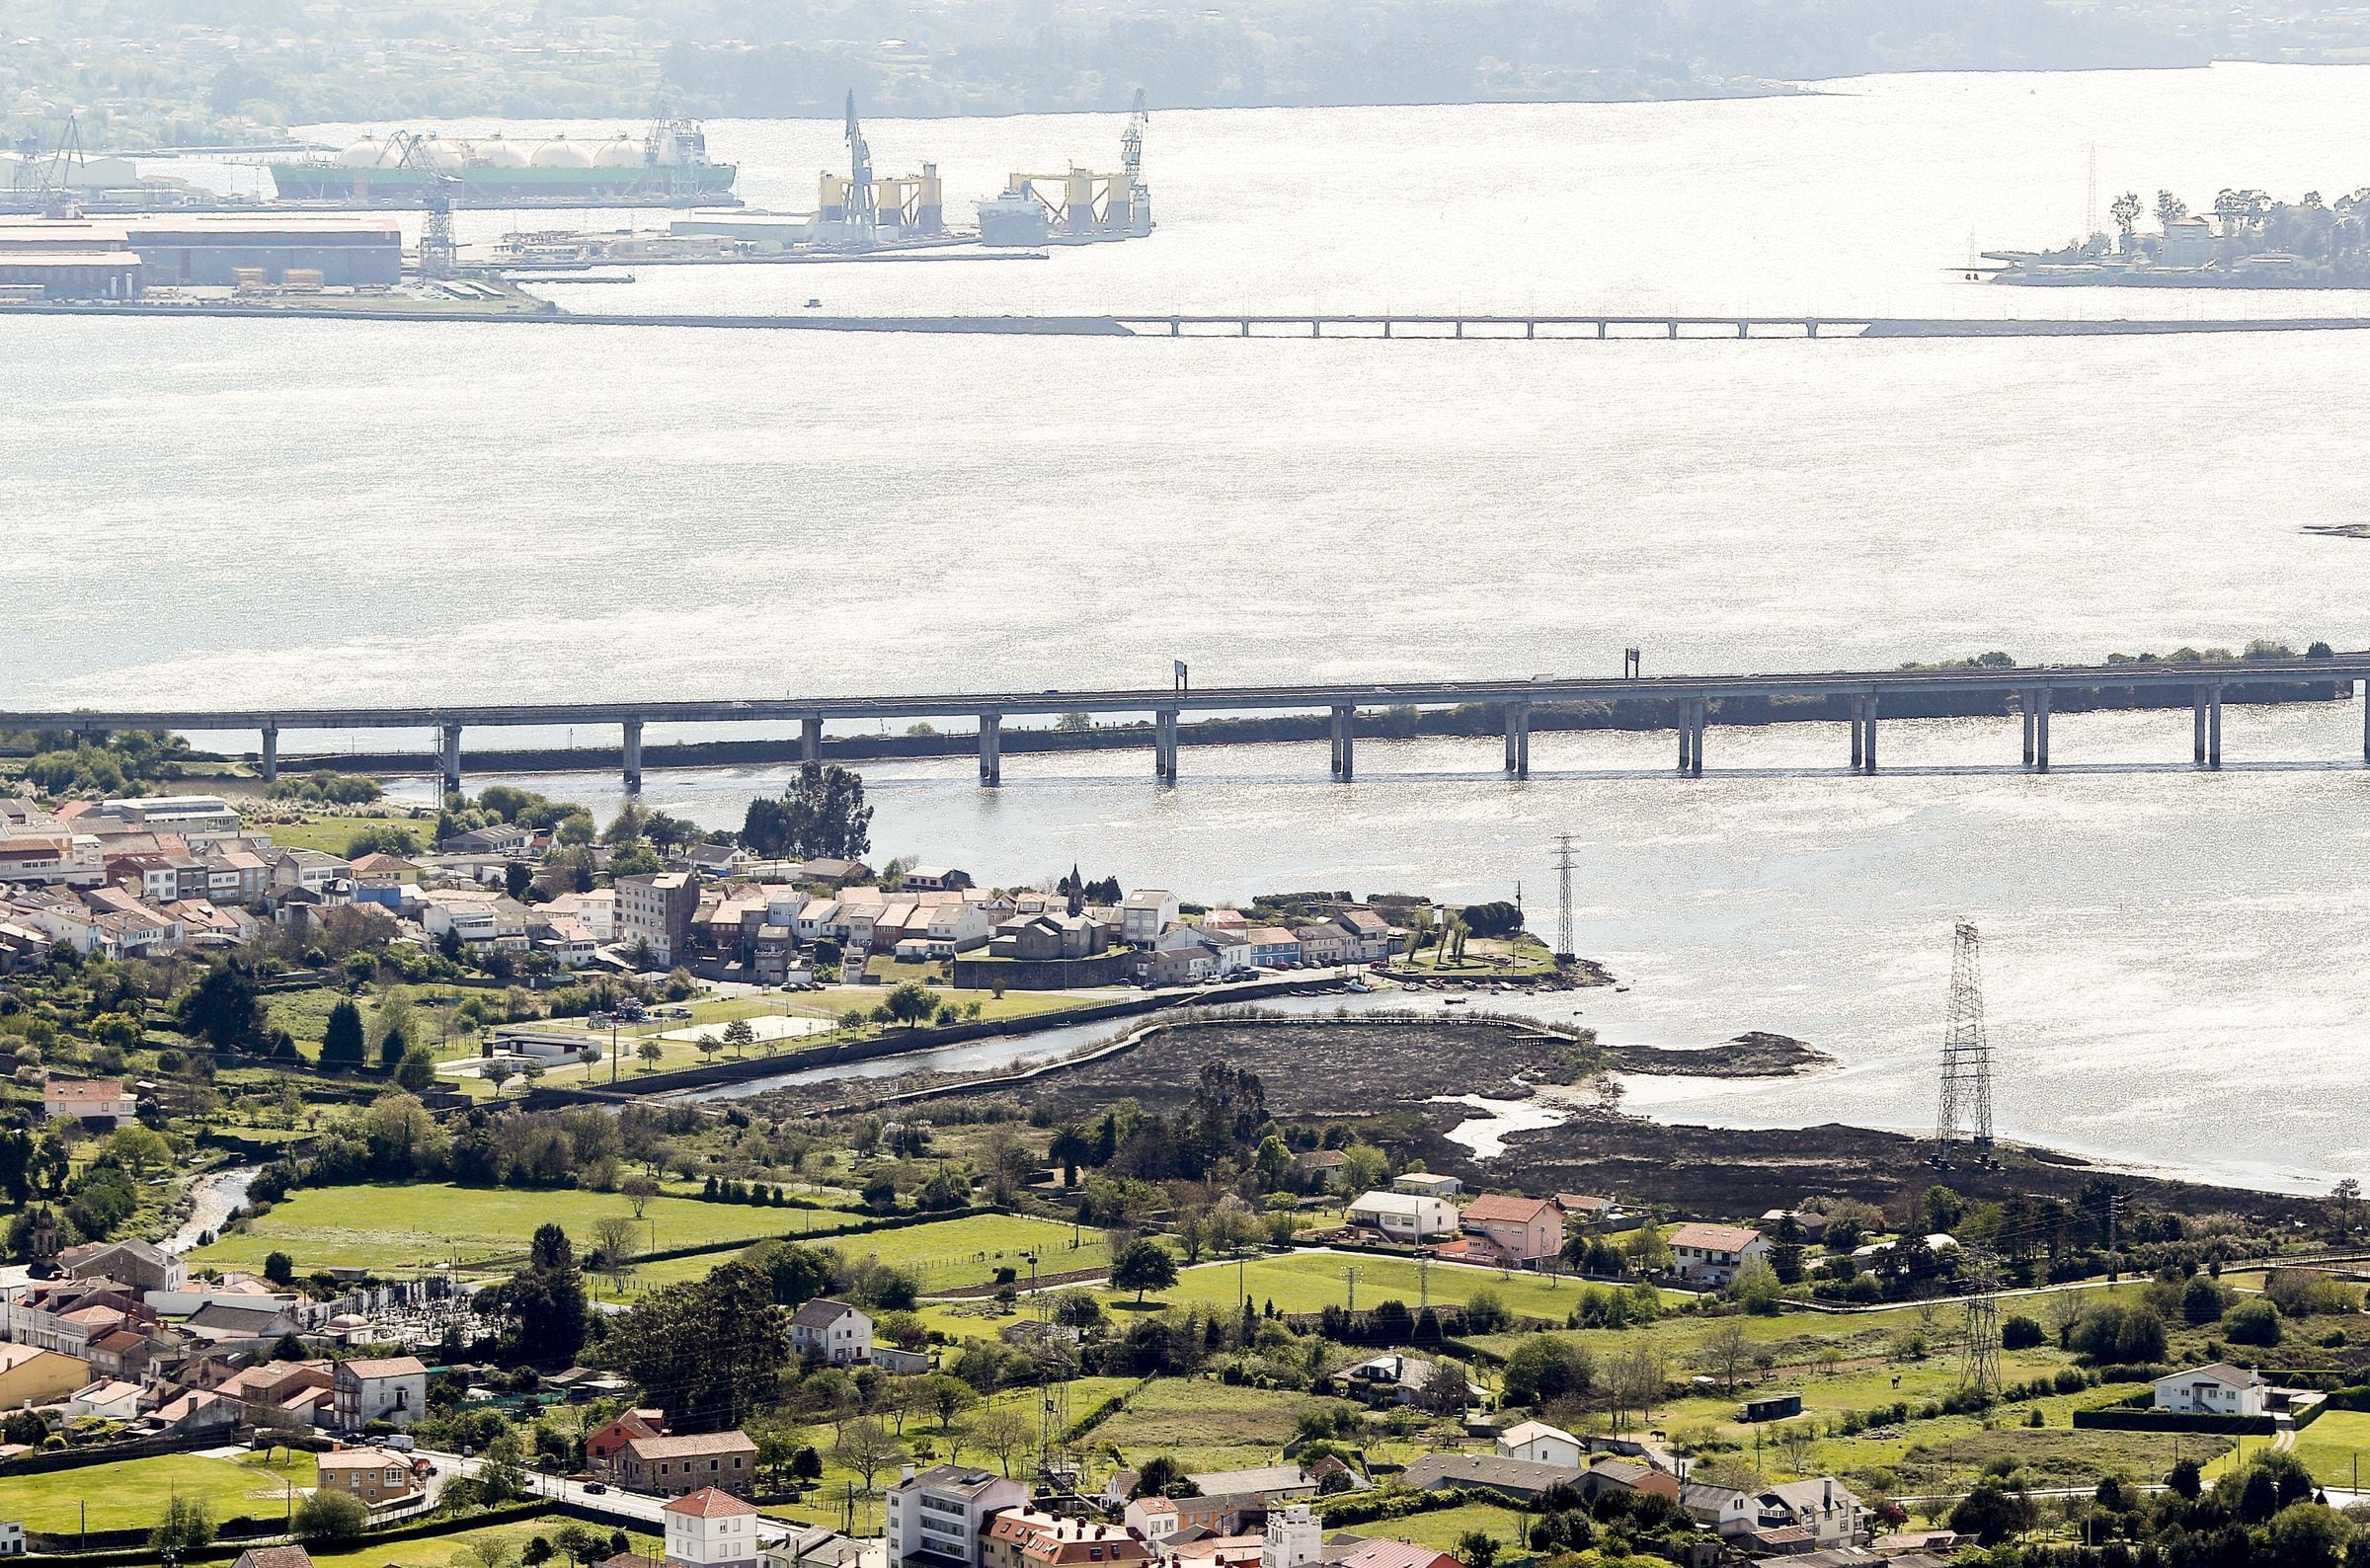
[(580, 1543), (493, 1551), (867, 1447), (2347, 1192), (188, 1526), (342, 1040), (2020, 1332), (2254, 1322), (2187, 1479), (1006, 1433), (619, 1242), (279, 1269), (2126, 212), (138, 1147), (638, 1191), (1476, 1548), (417, 1071), (224, 1006), (949, 1396), (740, 1036), (331, 1517), (1143, 1265), (1726, 1354), (821, 816), (545, 1302), (718, 1343), (650, 1051), (909, 1004), (1991, 1512)]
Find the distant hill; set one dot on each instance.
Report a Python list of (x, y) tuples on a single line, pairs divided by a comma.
[(143, 71)]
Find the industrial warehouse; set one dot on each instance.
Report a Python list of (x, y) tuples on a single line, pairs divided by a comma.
[(124, 258)]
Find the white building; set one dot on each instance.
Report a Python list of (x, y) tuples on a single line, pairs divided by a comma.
[(1712, 1254), (1293, 1540), (69, 859), (709, 1528), (1406, 1216), (107, 1099), (941, 1514), (393, 1389), (2220, 1389), (1541, 1443), (189, 816), (1146, 912), (833, 1331)]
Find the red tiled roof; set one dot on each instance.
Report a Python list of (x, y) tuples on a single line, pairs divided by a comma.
[(709, 1503), (1508, 1207)]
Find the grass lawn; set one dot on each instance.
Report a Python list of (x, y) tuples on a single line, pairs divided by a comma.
[(131, 1494), (945, 1255), (435, 1551), (1485, 957), (1311, 1282), (331, 834), (395, 1229), (1439, 1531), (1207, 1425), (926, 1444), (2332, 1445)]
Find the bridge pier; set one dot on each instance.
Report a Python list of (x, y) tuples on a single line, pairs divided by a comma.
[(1697, 712), (270, 753), (1602, 331), (1858, 736), (992, 748), (633, 756), (1177, 328), (2040, 730), (451, 755), (809, 739), (2366, 721), (1682, 717), (1312, 326), (1530, 330), (1344, 746), (1810, 329), (2197, 727), (2213, 730), (2025, 706), (1246, 327), (1743, 329), (1518, 739), (1867, 719), (1165, 745), (1674, 326)]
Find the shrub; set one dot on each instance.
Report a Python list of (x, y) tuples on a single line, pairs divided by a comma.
[(2020, 1333), (2254, 1322)]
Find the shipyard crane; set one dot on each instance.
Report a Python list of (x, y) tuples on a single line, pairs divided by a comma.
[(861, 209), (438, 250), (1131, 141)]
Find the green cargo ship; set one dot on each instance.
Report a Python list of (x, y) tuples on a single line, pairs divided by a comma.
[(668, 166)]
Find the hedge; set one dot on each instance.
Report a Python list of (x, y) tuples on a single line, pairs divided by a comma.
[(2120, 1419)]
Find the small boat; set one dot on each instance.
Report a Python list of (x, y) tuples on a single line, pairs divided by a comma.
[(1454, 1001), (814, 305)]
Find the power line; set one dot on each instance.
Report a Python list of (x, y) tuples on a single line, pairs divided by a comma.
[(1963, 1122)]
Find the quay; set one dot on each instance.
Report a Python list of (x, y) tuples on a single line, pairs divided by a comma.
[(1684, 703)]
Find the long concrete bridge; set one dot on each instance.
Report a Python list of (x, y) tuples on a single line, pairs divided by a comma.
[(1681, 702)]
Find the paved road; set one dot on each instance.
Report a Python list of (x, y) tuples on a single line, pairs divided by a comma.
[(629, 1508)]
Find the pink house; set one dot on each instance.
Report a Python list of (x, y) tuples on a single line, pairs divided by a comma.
[(1518, 1231)]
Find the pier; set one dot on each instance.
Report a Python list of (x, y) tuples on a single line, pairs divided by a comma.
[(1263, 325), (1687, 704)]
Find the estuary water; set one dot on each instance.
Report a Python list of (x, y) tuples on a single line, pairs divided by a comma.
[(209, 512)]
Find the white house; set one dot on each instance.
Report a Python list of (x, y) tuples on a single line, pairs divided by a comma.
[(392, 1388), (109, 1399), (709, 1528), (1722, 1510), (1406, 1216), (1146, 913), (103, 1099), (1429, 1183), (1541, 1443), (2220, 1389), (1824, 1506), (834, 1331), (12, 1538), (1155, 1519), (960, 926), (1712, 1254)]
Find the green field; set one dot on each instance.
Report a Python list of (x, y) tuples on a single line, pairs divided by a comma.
[(396, 1229), (1207, 1425), (435, 1551), (1311, 1282), (131, 1494), (2333, 1445), (331, 834), (1439, 1531)]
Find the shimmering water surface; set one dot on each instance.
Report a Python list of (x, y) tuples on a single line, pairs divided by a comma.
[(208, 512)]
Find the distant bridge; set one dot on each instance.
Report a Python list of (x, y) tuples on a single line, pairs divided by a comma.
[(1681, 702)]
